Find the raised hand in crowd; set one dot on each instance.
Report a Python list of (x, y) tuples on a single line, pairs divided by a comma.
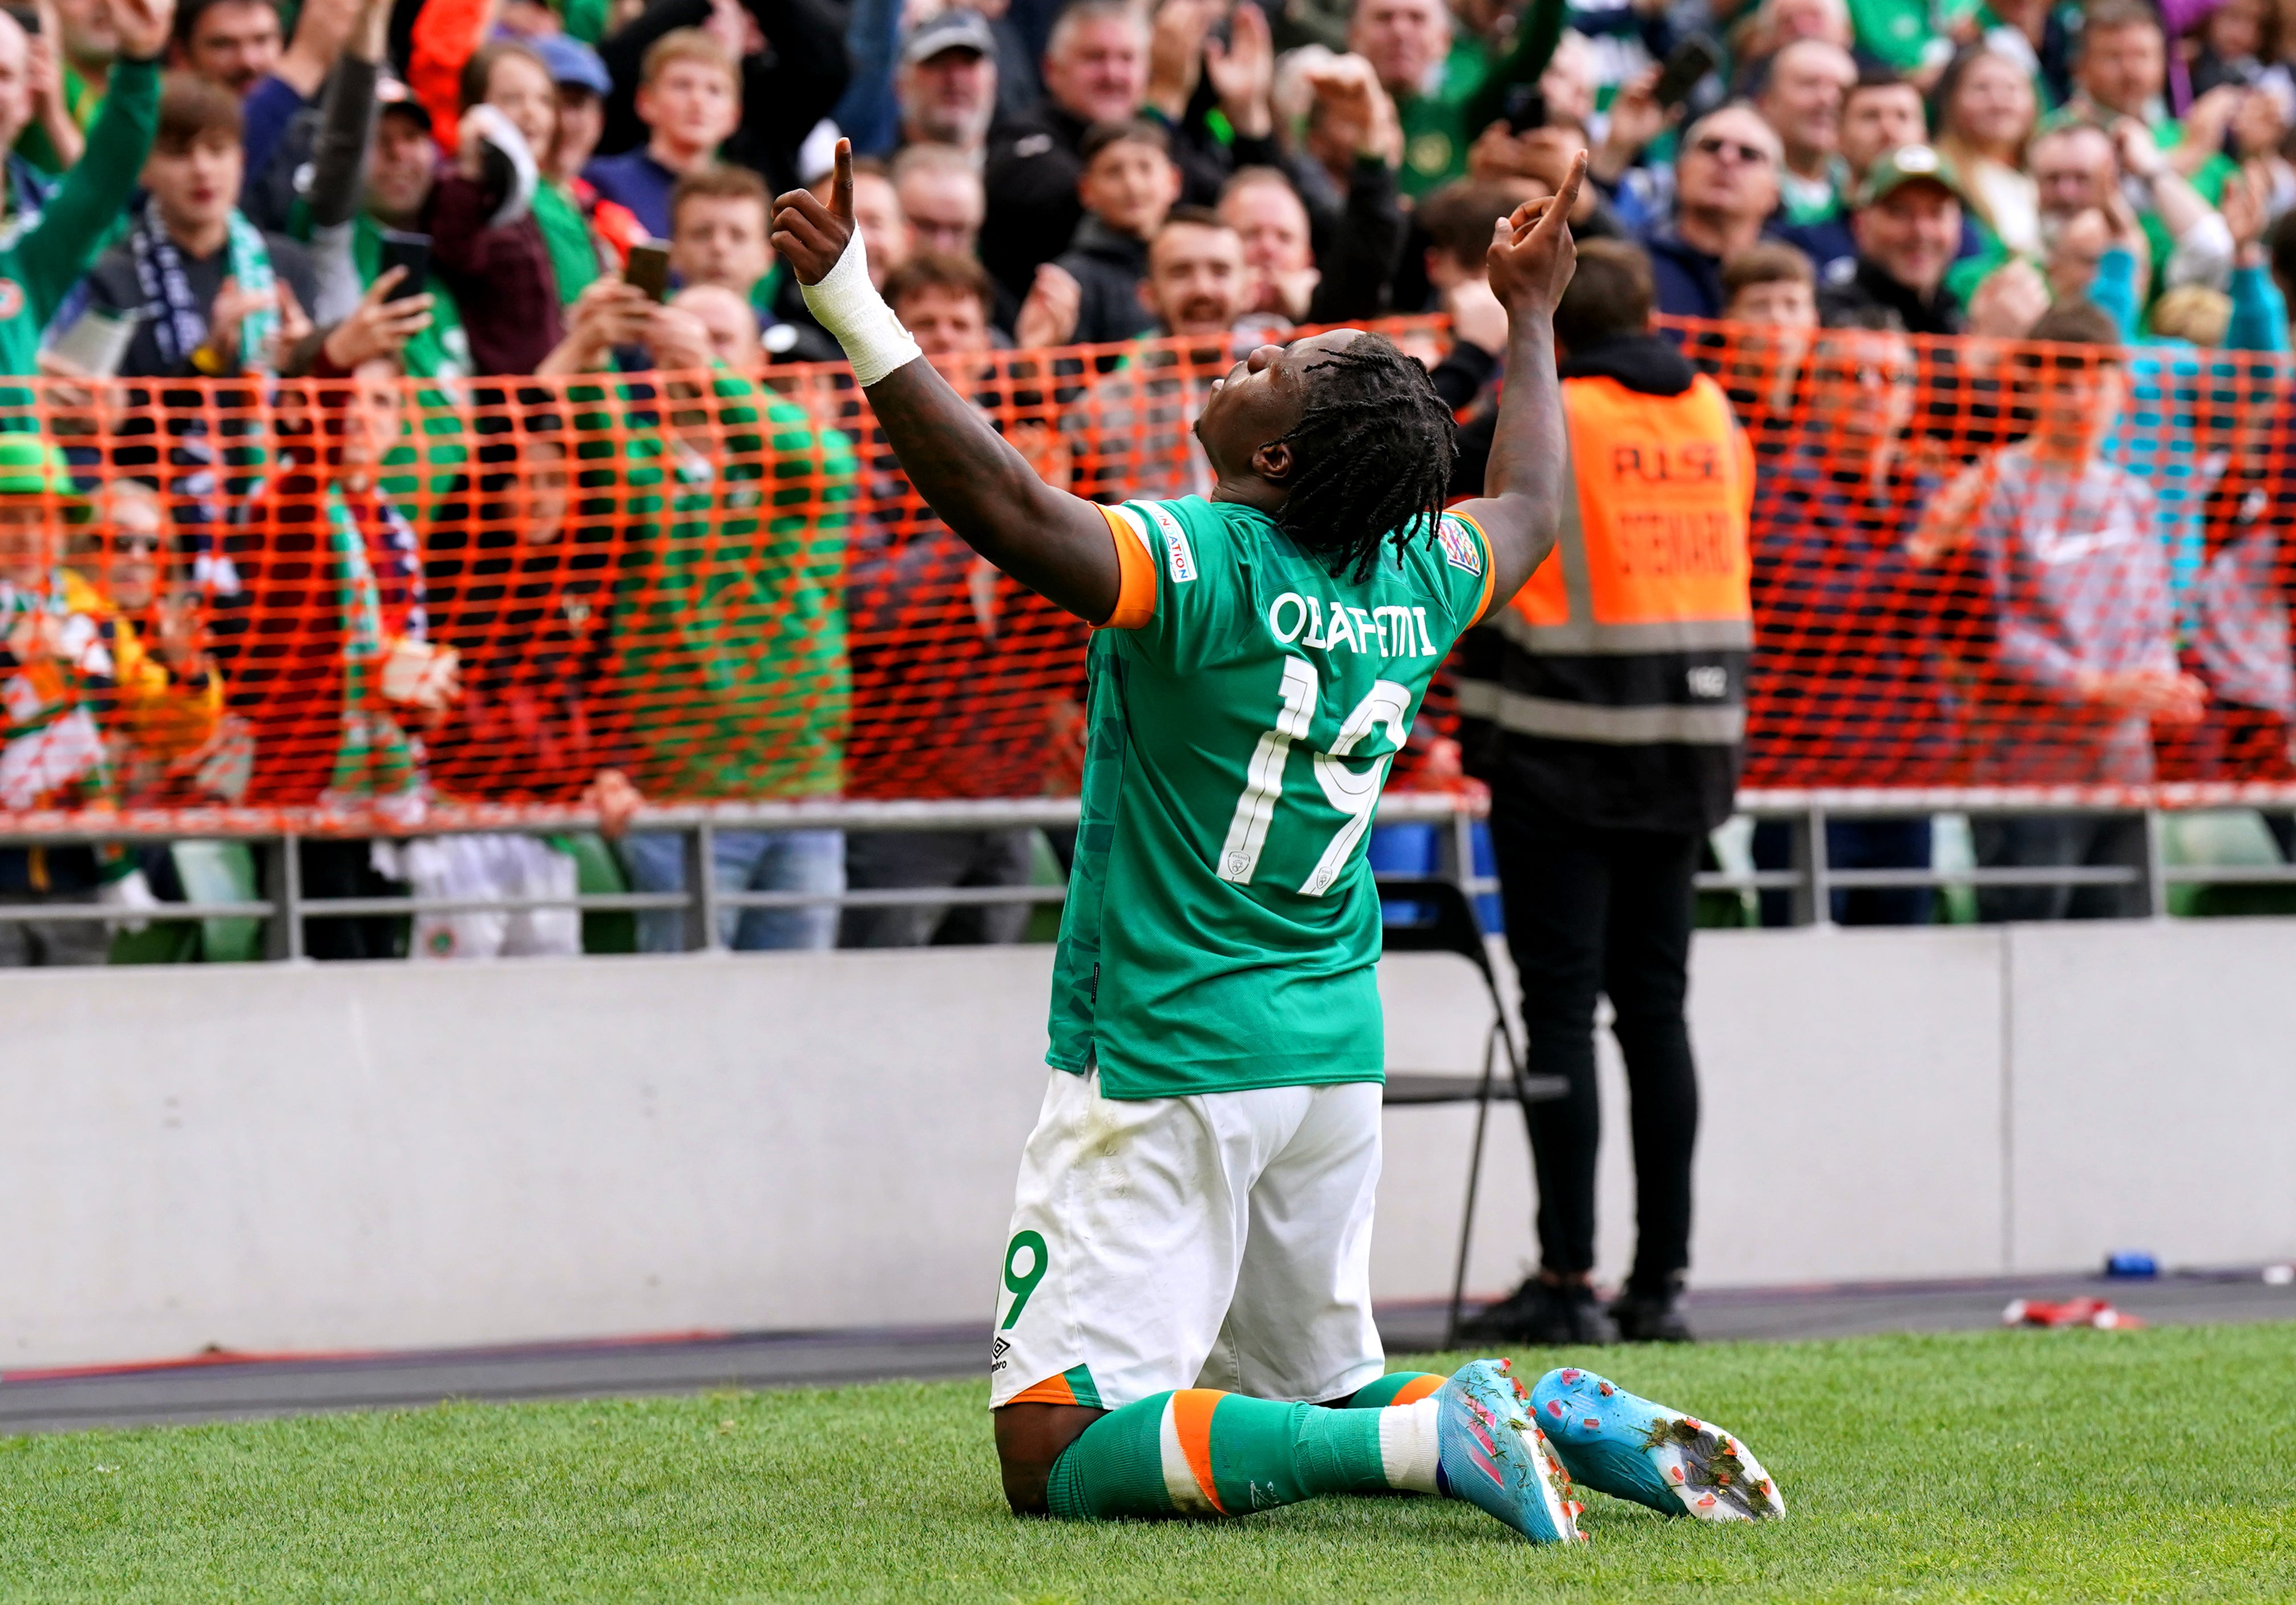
[(1948, 523), (43, 81), (1356, 111), (616, 800), (379, 326), (2140, 154), (294, 324), (2205, 123), (65, 398), (2190, 220), (423, 676), (181, 637), (1242, 71), (1176, 54), (1637, 119), (36, 635), (1497, 155), (2075, 252), (2165, 696), (607, 314), (142, 26), (231, 307), (1048, 317), (678, 340), (731, 24), (323, 29), (1477, 315), (527, 20), (2243, 204), (1285, 292), (2008, 301)]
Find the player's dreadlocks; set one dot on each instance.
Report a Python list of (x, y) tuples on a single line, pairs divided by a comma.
[(1375, 446)]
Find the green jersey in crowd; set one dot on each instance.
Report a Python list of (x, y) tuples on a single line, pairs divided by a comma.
[(566, 235), (1222, 929), (729, 621), (40, 261), (442, 350)]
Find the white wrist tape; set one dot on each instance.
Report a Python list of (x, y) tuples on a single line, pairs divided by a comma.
[(848, 305)]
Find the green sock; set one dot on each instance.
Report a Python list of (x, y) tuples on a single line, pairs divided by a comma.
[(1396, 1387), (1200, 1452)]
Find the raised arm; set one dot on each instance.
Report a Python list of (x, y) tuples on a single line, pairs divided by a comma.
[(1531, 259), (1058, 545)]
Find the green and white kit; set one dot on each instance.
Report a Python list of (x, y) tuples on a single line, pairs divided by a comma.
[(1216, 994)]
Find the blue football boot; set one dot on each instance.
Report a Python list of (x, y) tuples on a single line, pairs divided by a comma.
[(1630, 1448), (1491, 1455)]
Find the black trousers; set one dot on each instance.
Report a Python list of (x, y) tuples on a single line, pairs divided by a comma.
[(346, 869), (1591, 912)]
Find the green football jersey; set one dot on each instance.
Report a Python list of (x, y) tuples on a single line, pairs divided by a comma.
[(1222, 929)]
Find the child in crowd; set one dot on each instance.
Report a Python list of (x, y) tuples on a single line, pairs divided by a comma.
[(209, 290), (488, 240), (689, 97), (719, 239), (1770, 284), (1770, 290), (1129, 183)]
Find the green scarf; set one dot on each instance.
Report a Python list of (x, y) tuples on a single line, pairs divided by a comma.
[(376, 756)]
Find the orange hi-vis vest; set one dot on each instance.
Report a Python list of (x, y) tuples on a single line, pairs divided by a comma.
[(1637, 628)]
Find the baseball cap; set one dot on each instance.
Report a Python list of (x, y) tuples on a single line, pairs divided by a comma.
[(572, 62), (390, 95), (954, 29), (31, 467), (1909, 164)]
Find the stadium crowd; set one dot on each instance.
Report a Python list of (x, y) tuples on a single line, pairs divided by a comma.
[(368, 220)]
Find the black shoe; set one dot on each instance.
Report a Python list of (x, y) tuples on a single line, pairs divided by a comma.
[(1543, 1312), (1651, 1318)]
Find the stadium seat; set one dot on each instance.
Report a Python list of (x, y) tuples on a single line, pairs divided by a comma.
[(1443, 921)]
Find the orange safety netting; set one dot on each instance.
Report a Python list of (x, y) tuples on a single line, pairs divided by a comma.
[(1981, 564), (1973, 565)]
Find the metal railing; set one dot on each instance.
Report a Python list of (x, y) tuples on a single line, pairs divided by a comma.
[(1811, 881)]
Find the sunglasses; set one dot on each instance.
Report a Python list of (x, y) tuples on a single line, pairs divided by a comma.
[(1738, 150)]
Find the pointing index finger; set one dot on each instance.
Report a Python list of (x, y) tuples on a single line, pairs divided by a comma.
[(840, 189), (1558, 215)]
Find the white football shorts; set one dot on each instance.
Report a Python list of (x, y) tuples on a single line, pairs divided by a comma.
[(1221, 1240)]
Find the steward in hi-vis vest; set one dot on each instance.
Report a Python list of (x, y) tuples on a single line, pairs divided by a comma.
[(1614, 683), (1605, 707)]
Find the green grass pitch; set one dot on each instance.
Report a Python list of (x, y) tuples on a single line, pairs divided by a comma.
[(2025, 1466)]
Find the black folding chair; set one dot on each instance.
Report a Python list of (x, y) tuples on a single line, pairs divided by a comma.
[(1448, 924)]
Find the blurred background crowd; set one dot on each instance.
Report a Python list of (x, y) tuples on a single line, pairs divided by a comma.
[(405, 206)]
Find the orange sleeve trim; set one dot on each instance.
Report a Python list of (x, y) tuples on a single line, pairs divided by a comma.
[(1052, 1390), (1491, 566), (1135, 566)]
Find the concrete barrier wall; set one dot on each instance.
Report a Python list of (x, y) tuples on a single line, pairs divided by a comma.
[(269, 1159)]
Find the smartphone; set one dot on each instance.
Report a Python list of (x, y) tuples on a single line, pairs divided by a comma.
[(1686, 67), (1526, 108), (410, 251), (27, 17), (648, 268)]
